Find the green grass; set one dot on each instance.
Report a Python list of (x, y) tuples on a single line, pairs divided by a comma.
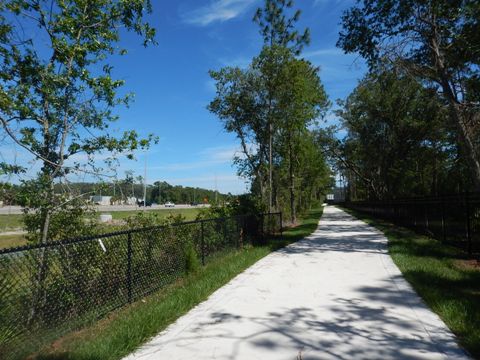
[(126, 329), (11, 222), (13, 240), (189, 213), (14, 221), (442, 275)]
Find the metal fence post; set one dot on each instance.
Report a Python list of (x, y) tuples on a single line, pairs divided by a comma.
[(237, 234), (444, 230), (414, 217), (242, 232), (281, 225), (202, 243), (225, 232), (425, 210), (129, 267), (262, 226), (469, 230)]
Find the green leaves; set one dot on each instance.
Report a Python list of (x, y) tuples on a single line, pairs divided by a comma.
[(269, 107), (278, 29), (7, 169), (398, 139), (66, 88), (58, 89), (436, 42)]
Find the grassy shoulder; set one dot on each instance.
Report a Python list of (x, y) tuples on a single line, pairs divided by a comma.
[(189, 213), (12, 240), (11, 222), (126, 329), (442, 275), (14, 222)]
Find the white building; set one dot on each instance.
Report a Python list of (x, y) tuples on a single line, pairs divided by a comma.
[(100, 200), (131, 201)]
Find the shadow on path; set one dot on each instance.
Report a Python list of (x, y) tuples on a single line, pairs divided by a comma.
[(334, 295)]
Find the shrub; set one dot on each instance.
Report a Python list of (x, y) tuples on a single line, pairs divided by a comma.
[(192, 263)]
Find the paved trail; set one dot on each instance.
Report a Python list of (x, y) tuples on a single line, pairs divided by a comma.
[(334, 295)]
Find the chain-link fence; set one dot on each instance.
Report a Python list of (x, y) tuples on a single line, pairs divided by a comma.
[(50, 289), (453, 219)]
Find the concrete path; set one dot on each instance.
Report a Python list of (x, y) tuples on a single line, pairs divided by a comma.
[(334, 295)]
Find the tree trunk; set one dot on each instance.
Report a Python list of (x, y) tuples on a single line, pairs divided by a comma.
[(39, 291), (293, 213), (270, 164), (467, 142), (459, 114), (460, 118)]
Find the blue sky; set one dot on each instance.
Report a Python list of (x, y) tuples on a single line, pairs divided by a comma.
[(172, 86)]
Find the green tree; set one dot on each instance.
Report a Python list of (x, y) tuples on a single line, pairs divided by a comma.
[(398, 142), (240, 105), (56, 87), (436, 41), (277, 28), (245, 103), (269, 107), (301, 100)]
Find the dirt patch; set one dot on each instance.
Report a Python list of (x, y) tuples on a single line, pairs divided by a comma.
[(468, 264)]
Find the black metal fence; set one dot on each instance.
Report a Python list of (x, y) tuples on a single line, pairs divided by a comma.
[(453, 219), (50, 289)]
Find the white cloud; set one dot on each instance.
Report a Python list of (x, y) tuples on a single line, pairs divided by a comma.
[(217, 10), (207, 158), (221, 153), (323, 52)]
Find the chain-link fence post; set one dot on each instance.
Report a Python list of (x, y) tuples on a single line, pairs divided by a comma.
[(237, 234), (468, 223), (129, 267), (444, 230), (202, 243), (262, 228), (281, 225), (225, 232), (425, 212)]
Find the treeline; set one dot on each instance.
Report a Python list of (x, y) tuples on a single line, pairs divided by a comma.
[(160, 192), (271, 107), (413, 122)]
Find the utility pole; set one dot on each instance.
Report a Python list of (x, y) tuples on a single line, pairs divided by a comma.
[(145, 184)]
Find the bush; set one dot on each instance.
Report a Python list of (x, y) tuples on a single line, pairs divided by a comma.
[(246, 204), (145, 219), (192, 263)]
